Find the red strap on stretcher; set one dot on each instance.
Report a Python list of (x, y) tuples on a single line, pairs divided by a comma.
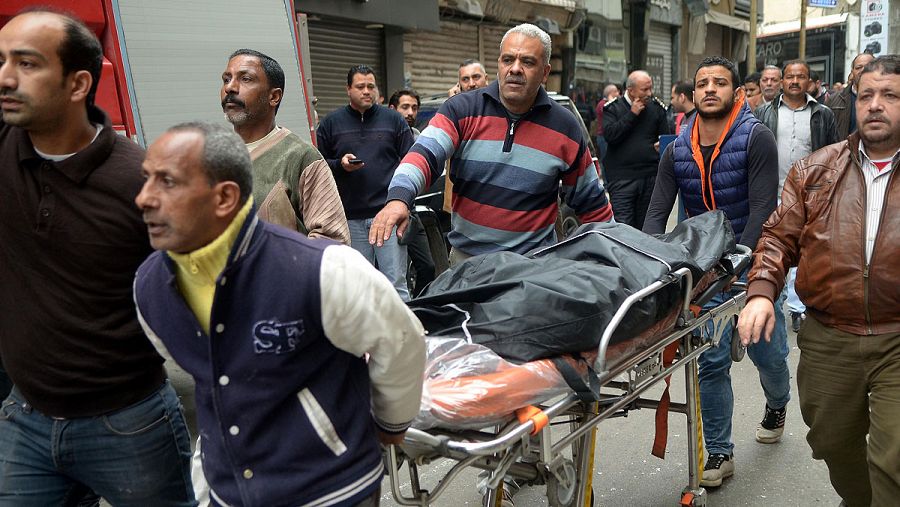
[(662, 410), (532, 413)]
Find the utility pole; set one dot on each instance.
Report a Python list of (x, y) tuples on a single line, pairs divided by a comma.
[(802, 30), (751, 50)]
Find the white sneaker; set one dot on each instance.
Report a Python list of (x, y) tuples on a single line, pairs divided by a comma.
[(717, 468)]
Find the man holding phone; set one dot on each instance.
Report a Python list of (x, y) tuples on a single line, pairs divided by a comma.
[(363, 143)]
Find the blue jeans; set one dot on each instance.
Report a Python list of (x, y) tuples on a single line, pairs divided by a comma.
[(390, 258), (139, 455), (793, 300), (601, 147), (716, 396)]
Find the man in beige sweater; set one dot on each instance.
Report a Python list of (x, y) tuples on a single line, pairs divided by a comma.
[(292, 184)]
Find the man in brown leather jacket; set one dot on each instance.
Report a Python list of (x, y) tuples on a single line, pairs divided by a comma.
[(839, 223)]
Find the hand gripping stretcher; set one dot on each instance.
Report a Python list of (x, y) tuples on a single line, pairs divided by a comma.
[(500, 422)]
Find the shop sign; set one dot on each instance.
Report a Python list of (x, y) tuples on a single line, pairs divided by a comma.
[(873, 27)]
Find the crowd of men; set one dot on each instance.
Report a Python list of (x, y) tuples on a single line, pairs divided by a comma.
[(275, 272)]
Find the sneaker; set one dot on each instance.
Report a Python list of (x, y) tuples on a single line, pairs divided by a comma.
[(772, 426), (797, 318), (717, 468)]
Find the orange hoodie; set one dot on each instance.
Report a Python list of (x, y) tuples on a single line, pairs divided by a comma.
[(705, 173)]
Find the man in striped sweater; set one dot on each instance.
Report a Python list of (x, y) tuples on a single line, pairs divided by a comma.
[(510, 145)]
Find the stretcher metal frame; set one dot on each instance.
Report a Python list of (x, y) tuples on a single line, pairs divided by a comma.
[(566, 464)]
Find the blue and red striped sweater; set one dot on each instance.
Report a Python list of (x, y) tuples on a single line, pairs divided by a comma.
[(506, 171)]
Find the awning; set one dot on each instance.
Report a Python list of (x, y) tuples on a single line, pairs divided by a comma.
[(811, 23), (727, 20)]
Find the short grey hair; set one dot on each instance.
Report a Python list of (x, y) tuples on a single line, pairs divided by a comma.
[(532, 31), (224, 156), (775, 67)]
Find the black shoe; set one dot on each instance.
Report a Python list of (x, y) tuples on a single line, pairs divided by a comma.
[(717, 468), (797, 318), (772, 426)]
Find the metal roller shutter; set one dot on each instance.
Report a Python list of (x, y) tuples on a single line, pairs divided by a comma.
[(433, 58), (659, 59), (490, 47), (334, 47), (188, 43)]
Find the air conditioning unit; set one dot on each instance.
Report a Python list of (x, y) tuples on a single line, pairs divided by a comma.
[(548, 25)]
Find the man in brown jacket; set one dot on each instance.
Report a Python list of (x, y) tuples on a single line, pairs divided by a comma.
[(839, 223), (292, 184)]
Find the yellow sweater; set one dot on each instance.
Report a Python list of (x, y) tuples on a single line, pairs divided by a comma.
[(197, 271)]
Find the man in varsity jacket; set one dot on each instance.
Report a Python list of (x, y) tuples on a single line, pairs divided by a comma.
[(509, 146), (274, 328)]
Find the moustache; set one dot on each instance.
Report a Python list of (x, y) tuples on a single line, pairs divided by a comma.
[(877, 117), (232, 99), (514, 80)]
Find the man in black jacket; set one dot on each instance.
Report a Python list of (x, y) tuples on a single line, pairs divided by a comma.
[(632, 125), (801, 126), (363, 144), (843, 103)]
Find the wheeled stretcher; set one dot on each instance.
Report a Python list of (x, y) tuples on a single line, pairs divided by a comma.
[(483, 412)]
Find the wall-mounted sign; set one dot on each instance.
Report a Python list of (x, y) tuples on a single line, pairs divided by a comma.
[(828, 4), (873, 27)]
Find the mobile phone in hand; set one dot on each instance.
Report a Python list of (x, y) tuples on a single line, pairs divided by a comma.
[(355, 161)]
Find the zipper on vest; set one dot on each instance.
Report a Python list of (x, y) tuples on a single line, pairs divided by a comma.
[(507, 144)]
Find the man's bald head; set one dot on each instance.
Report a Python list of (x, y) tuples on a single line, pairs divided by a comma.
[(610, 91), (639, 85)]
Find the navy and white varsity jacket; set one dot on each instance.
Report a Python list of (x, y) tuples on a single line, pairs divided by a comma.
[(283, 391)]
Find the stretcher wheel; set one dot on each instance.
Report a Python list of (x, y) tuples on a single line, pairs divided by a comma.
[(561, 495), (554, 499), (737, 350), (693, 499)]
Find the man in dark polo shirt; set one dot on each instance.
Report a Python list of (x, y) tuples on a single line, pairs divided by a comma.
[(90, 408)]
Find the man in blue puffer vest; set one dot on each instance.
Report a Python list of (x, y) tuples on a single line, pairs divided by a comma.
[(274, 328), (726, 159)]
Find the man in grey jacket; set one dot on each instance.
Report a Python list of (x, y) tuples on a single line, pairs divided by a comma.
[(801, 126)]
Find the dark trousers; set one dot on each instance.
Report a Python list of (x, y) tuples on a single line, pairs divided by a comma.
[(5, 382), (849, 388), (372, 501), (420, 255), (630, 199)]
